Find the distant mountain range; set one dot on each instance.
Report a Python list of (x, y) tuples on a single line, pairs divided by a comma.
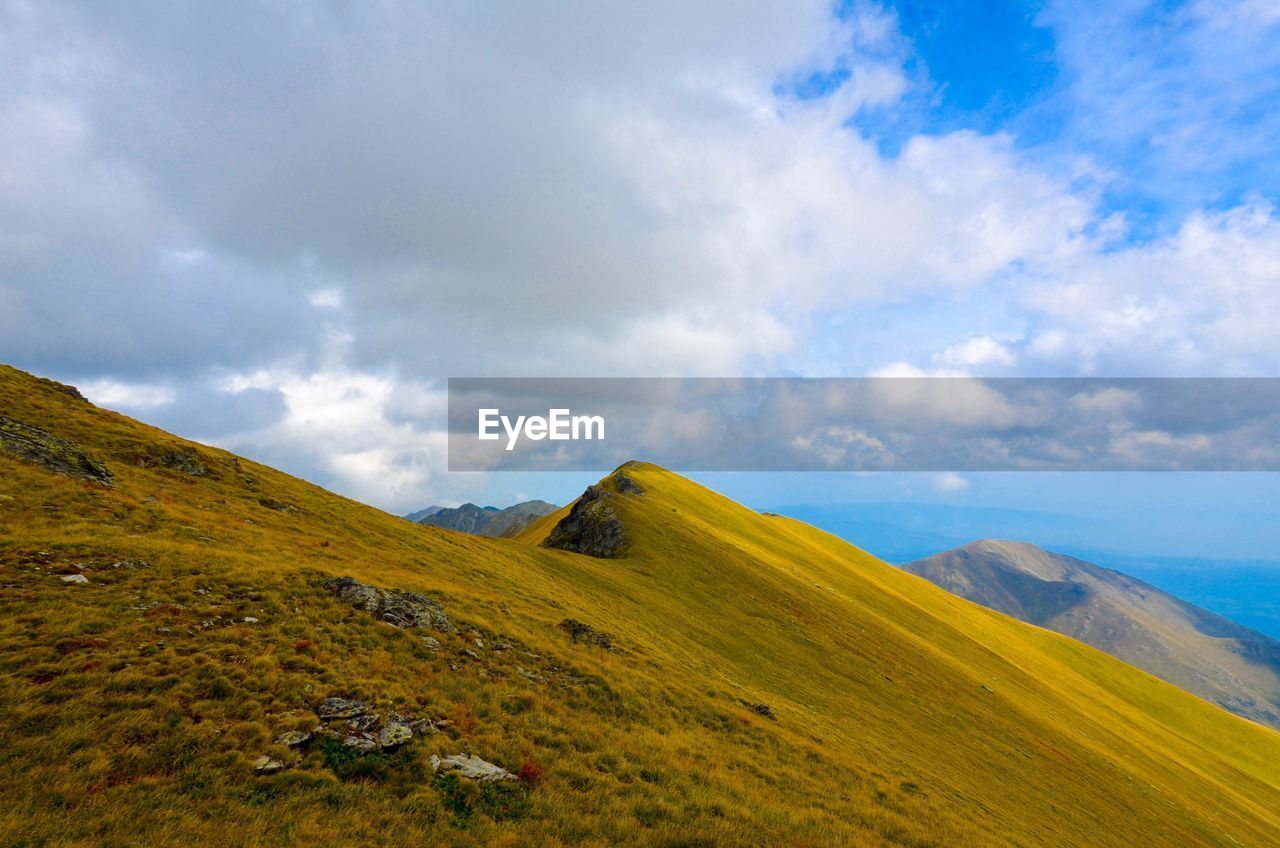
[(483, 520), (1214, 657)]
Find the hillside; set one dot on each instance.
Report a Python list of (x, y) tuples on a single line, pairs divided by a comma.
[(170, 615), (1217, 659), (487, 520)]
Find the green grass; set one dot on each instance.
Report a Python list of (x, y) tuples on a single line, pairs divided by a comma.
[(133, 707)]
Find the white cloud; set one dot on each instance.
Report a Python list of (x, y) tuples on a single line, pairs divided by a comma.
[(127, 396), (976, 352), (950, 483)]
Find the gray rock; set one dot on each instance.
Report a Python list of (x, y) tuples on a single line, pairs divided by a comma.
[(592, 527), (394, 606), (431, 642), (332, 708), (363, 724), (470, 767), (266, 765), (585, 634), (74, 578), (52, 453), (394, 734), (293, 738), (763, 710), (359, 743)]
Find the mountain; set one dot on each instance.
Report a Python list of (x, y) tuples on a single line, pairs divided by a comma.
[(423, 513), (488, 520), (198, 649), (1217, 659)]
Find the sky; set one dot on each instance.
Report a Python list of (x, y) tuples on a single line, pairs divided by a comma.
[(280, 229)]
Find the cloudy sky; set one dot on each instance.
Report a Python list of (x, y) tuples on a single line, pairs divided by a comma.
[(279, 226)]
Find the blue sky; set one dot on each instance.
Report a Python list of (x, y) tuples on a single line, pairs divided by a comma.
[(280, 231)]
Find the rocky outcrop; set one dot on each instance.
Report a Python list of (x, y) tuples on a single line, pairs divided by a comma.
[(592, 527), (52, 453), (354, 725), (624, 484), (470, 767), (394, 606), (585, 634)]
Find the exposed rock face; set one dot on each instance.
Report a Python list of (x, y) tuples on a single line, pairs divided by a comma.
[(763, 710), (586, 634), (403, 609), (471, 767), (55, 454), (591, 527), (625, 485)]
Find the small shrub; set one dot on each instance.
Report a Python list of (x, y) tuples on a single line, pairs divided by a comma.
[(531, 771)]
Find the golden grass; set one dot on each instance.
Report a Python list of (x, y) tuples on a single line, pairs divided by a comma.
[(905, 716)]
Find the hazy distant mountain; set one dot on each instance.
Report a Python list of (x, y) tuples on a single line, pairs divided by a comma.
[(487, 520), (1214, 657), (417, 517)]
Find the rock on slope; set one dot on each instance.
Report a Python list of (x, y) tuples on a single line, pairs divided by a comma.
[(1217, 659)]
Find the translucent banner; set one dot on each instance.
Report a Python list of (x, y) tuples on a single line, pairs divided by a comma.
[(865, 424)]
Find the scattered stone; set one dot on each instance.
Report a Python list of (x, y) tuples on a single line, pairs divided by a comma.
[(52, 453), (763, 710), (470, 653), (332, 708), (479, 643), (591, 527), (293, 738), (74, 578), (394, 606), (586, 634), (363, 724), (395, 733), (470, 767), (178, 457), (273, 503), (266, 765), (359, 743), (248, 619), (431, 642)]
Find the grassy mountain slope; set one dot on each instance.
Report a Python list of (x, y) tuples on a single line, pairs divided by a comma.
[(135, 704), (1233, 666)]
